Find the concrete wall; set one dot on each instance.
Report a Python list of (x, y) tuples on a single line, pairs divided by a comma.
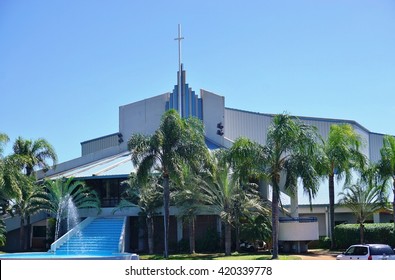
[(141, 117), (296, 231), (213, 113)]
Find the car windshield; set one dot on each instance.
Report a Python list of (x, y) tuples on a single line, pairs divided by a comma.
[(380, 250)]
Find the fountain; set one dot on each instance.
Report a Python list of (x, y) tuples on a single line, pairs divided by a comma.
[(93, 238), (66, 210)]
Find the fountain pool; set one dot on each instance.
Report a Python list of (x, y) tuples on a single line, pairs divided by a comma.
[(55, 256)]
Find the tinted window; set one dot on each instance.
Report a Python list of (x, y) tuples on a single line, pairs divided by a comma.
[(357, 251), (361, 251), (380, 250)]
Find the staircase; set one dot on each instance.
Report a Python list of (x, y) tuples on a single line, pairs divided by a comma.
[(101, 236)]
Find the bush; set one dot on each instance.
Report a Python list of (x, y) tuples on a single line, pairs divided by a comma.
[(209, 243), (324, 242), (348, 234)]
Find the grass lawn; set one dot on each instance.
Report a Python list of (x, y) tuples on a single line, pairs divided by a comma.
[(219, 256)]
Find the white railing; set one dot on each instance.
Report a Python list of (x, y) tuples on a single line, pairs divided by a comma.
[(70, 233), (121, 245)]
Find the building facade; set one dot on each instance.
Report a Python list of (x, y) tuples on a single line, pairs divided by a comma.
[(105, 161)]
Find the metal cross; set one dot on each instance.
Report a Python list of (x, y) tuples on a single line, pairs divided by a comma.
[(179, 38)]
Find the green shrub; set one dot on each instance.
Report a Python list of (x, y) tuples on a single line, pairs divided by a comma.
[(183, 246), (324, 242), (209, 243), (348, 234)]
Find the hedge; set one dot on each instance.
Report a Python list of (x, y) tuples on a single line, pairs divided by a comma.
[(348, 234)]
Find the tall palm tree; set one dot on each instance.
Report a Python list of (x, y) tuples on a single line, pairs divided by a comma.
[(363, 199), (242, 157), (341, 156), (291, 149), (62, 191), (34, 154), (387, 164), (148, 196), (226, 197), (176, 141)]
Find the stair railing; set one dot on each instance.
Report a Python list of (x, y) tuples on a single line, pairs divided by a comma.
[(63, 239), (121, 244)]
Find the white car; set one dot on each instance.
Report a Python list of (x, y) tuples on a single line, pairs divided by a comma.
[(368, 252)]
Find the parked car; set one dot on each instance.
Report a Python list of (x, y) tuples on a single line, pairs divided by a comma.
[(368, 252)]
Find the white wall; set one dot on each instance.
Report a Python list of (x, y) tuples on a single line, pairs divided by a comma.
[(142, 116), (213, 113)]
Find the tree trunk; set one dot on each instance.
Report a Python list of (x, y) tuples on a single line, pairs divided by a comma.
[(28, 233), (228, 239), (166, 207), (275, 221), (361, 233), (192, 236), (22, 234), (332, 209), (150, 232), (237, 237)]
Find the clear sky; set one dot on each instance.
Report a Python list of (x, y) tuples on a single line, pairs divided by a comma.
[(66, 66)]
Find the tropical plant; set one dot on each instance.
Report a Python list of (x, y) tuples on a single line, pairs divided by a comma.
[(8, 175), (62, 191), (226, 197), (342, 155), (291, 150), (363, 199), (387, 165), (242, 156), (34, 154), (3, 140), (190, 200), (28, 203), (175, 142), (148, 196), (256, 227), (3, 233)]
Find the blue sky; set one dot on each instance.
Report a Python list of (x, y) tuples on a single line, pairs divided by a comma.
[(66, 66)]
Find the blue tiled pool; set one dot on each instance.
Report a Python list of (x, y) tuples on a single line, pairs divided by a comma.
[(52, 256)]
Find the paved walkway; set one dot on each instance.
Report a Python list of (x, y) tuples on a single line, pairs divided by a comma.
[(318, 254)]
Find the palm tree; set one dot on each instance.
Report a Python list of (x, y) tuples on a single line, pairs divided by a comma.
[(226, 197), (3, 140), (387, 164), (62, 191), (243, 159), (148, 197), (28, 203), (34, 154), (291, 149), (176, 141), (363, 199), (341, 156), (190, 200), (3, 233)]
